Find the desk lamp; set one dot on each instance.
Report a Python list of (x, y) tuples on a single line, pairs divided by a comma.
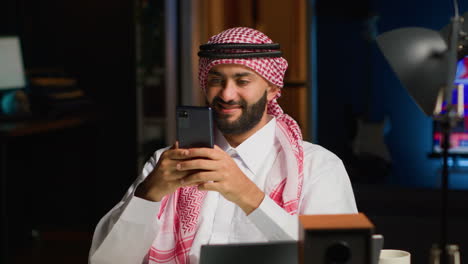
[(11, 76), (11, 64), (425, 61)]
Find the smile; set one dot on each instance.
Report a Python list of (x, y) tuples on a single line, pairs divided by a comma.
[(227, 108)]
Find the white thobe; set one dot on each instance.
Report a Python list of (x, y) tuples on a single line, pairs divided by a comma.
[(125, 234)]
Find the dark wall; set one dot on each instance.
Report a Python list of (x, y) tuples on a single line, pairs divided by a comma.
[(92, 41), (355, 81)]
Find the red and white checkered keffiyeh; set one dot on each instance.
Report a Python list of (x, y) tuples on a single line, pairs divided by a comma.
[(180, 212)]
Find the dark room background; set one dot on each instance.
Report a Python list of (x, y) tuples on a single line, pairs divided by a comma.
[(60, 182)]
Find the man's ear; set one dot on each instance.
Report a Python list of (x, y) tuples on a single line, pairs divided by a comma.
[(272, 91)]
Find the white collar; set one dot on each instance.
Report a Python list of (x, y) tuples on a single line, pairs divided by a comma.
[(254, 149)]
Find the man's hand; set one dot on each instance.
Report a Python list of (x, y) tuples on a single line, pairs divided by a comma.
[(214, 170), (165, 178)]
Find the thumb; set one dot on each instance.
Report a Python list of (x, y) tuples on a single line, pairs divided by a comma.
[(176, 145)]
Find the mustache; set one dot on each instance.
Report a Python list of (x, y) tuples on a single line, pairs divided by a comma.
[(218, 100)]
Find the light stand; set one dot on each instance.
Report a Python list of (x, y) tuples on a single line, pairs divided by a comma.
[(448, 121), (446, 124), (426, 63)]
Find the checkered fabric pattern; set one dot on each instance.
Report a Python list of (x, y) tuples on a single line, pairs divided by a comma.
[(272, 69)]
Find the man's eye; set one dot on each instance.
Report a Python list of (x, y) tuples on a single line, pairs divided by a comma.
[(214, 81), (242, 82)]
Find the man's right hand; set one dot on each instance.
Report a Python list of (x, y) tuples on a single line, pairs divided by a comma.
[(165, 178)]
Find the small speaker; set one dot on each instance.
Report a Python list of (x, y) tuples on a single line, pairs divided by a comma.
[(335, 239)]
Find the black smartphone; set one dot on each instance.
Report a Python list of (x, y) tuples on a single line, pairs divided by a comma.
[(194, 127)]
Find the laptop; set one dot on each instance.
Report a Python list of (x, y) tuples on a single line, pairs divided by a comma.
[(280, 252)]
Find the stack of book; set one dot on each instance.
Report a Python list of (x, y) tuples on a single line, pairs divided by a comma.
[(56, 96)]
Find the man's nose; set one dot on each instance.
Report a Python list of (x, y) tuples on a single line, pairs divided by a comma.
[(229, 91)]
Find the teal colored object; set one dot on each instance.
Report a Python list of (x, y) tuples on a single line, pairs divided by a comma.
[(9, 103), (15, 102)]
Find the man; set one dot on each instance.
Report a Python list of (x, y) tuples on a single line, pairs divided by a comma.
[(249, 188)]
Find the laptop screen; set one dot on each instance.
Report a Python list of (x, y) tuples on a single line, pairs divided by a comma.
[(250, 253)]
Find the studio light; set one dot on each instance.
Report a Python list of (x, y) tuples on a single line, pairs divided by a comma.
[(425, 61)]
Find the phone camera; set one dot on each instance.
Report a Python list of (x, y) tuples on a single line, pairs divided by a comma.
[(183, 114)]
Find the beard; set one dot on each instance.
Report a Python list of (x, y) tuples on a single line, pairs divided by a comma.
[(250, 116)]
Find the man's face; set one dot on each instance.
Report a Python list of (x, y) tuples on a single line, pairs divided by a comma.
[(238, 97)]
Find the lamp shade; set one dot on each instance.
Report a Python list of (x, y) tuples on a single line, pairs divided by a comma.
[(418, 56), (11, 64)]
